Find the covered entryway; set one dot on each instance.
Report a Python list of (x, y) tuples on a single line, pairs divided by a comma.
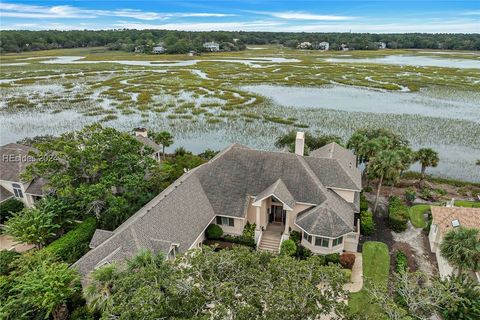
[(277, 213)]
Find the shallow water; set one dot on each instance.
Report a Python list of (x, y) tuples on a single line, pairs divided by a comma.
[(420, 61), (353, 99)]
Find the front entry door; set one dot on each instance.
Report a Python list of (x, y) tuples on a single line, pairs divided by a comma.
[(278, 213)]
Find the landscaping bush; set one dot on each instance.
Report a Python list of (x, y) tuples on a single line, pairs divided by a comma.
[(296, 237), (401, 262), (6, 258), (348, 274), (333, 258), (367, 225), (410, 195), (304, 253), (363, 202), (347, 260), (250, 242), (426, 194), (214, 232), (8, 207), (397, 214), (74, 244), (368, 189), (288, 247), (249, 231)]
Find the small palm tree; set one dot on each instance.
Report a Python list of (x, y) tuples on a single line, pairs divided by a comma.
[(99, 289), (164, 138), (461, 248), (387, 164), (427, 158)]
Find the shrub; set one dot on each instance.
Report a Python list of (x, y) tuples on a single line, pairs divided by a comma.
[(82, 313), (288, 247), (249, 231), (296, 237), (367, 225), (363, 202), (401, 262), (214, 232), (8, 207), (348, 274), (347, 260), (368, 189), (332, 258), (6, 258), (410, 195), (426, 194), (74, 244), (397, 214), (304, 253), (239, 239)]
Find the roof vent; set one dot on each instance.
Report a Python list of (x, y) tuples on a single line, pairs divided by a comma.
[(456, 223)]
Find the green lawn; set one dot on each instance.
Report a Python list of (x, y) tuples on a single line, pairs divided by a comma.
[(416, 215), (468, 204), (376, 266)]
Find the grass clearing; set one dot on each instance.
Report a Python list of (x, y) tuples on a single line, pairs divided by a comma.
[(376, 266), (467, 204), (416, 215)]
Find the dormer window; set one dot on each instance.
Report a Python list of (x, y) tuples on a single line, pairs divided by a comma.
[(17, 190)]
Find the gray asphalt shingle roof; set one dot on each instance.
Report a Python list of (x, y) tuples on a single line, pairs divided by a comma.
[(280, 191), (14, 160), (149, 143), (222, 186)]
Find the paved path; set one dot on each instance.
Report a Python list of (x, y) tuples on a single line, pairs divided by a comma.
[(7, 243), (356, 281)]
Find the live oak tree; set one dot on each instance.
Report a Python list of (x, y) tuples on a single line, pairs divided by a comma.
[(237, 283), (98, 170)]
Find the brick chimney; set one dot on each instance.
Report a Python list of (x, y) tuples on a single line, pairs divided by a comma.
[(141, 132), (300, 143)]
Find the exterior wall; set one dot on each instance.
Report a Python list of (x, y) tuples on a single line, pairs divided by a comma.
[(433, 238), (292, 215), (198, 242), (444, 269), (350, 241), (27, 199), (237, 229), (323, 250), (347, 195)]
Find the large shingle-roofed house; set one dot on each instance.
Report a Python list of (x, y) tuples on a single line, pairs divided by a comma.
[(279, 190), (14, 159)]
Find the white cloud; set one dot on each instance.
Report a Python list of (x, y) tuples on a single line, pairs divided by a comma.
[(299, 15), (11, 10), (203, 26)]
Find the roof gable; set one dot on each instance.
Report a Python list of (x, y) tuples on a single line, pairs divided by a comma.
[(280, 191)]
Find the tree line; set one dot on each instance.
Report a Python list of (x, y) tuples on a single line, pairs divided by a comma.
[(184, 41)]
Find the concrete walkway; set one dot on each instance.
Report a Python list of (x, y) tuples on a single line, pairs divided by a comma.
[(8, 243), (356, 281)]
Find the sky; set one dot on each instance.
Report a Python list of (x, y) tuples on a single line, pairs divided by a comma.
[(290, 16)]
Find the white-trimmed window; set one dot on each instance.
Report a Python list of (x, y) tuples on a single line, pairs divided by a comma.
[(226, 221), (307, 237), (337, 241), (322, 242), (17, 190)]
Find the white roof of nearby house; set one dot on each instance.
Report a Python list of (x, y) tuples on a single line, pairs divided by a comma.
[(223, 186)]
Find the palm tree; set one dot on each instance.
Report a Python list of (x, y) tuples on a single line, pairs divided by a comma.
[(370, 149), (427, 158), (165, 139), (386, 164), (356, 142), (461, 247), (100, 286)]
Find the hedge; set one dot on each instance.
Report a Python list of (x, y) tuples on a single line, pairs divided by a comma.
[(6, 258), (401, 262), (363, 202), (239, 239), (8, 207), (367, 224), (74, 244), (397, 214)]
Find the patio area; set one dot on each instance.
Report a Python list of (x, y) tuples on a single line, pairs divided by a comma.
[(8, 243)]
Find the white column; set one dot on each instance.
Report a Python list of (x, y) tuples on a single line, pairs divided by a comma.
[(287, 222), (257, 220)]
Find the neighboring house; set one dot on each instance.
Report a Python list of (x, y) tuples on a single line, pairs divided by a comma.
[(381, 45), (317, 195), (141, 134), (304, 45), (192, 53), (344, 47), (139, 49), (445, 219), (211, 46), (158, 50), (14, 160), (324, 46)]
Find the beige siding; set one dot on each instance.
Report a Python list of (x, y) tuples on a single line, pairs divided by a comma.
[(322, 250), (444, 269), (27, 199), (237, 229), (293, 215), (433, 237), (347, 195)]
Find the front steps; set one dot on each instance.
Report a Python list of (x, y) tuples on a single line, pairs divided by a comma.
[(270, 241)]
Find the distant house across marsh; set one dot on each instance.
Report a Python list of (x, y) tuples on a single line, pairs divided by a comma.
[(159, 49), (211, 46), (323, 46)]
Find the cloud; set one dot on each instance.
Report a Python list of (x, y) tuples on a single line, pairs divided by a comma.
[(12, 10), (203, 26), (298, 15)]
